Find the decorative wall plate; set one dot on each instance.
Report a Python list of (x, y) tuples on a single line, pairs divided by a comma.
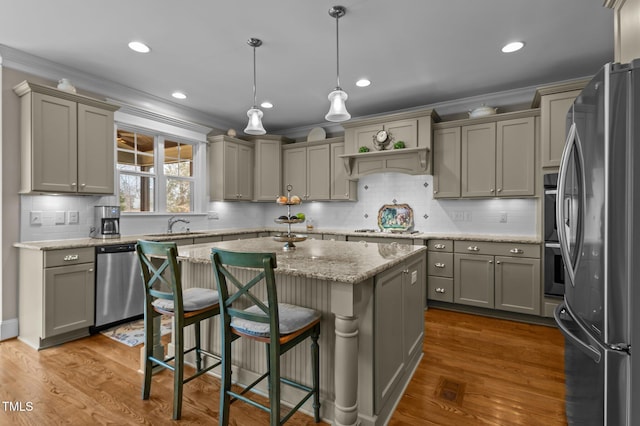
[(317, 134), (395, 217)]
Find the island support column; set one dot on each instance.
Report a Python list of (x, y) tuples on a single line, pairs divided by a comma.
[(344, 302)]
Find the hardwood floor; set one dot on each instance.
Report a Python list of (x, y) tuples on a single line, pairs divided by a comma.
[(475, 371), (495, 372)]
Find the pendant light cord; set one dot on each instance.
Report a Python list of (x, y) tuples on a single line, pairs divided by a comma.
[(255, 102), (337, 54)]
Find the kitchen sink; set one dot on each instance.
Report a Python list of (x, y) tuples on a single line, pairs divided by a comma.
[(176, 234)]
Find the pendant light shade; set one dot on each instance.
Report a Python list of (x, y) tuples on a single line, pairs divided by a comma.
[(254, 126), (338, 109)]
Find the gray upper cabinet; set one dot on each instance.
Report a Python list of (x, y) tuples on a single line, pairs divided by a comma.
[(554, 102), (490, 157), (478, 160), (316, 171), (515, 157), (231, 168), (268, 167), (67, 142), (446, 163)]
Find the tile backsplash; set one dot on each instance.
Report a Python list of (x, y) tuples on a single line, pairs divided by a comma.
[(484, 216)]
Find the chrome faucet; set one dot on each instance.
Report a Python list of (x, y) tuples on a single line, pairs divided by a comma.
[(172, 221)]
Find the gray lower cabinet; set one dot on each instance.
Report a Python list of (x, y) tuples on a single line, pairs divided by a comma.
[(440, 270), (517, 285), (57, 289), (399, 324), (473, 280), (499, 276)]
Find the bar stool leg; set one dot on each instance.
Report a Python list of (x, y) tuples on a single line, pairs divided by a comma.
[(315, 360)]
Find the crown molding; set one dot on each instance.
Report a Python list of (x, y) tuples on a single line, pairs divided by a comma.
[(115, 92)]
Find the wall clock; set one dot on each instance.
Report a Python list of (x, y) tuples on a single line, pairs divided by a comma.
[(381, 139)]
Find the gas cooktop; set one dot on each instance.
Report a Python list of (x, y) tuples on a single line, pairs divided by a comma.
[(377, 231)]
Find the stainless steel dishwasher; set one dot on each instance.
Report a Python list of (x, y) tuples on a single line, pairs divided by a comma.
[(119, 287)]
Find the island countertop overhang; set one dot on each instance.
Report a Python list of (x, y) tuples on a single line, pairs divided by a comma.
[(339, 261)]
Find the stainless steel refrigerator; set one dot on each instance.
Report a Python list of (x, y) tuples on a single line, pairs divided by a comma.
[(598, 216)]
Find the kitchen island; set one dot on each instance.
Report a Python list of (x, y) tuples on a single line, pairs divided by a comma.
[(372, 301)]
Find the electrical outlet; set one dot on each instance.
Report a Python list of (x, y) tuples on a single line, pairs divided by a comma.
[(60, 218), (35, 218), (74, 217), (503, 217), (213, 215)]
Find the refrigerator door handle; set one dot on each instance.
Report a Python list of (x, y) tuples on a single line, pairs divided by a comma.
[(561, 210), (586, 348)]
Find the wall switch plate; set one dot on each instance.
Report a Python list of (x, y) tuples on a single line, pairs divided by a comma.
[(74, 217), (60, 218), (35, 218), (414, 277), (503, 217), (213, 215)]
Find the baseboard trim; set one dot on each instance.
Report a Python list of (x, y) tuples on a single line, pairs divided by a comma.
[(9, 329)]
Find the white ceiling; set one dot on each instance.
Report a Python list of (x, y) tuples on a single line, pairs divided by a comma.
[(415, 52)]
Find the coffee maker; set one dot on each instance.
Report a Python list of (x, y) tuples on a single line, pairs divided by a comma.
[(107, 222)]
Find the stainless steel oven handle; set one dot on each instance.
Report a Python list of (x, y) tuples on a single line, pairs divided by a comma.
[(587, 349)]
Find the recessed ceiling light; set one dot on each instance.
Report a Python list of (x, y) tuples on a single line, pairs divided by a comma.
[(513, 47), (363, 82), (139, 47), (266, 104), (179, 95)]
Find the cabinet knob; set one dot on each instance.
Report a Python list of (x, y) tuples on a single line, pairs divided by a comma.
[(440, 290), (439, 246), (499, 189), (435, 191), (491, 190), (406, 271), (516, 251), (497, 262), (82, 185), (91, 270), (491, 261), (439, 265), (74, 184), (473, 248)]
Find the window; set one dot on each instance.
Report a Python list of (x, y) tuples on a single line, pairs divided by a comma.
[(155, 172)]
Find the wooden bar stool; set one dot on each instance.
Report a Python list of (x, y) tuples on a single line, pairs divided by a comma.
[(281, 326), (164, 296)]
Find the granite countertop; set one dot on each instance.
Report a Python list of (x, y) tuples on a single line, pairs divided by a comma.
[(340, 261), (94, 242)]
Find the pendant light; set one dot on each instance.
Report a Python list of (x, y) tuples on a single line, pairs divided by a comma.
[(337, 110), (254, 127)]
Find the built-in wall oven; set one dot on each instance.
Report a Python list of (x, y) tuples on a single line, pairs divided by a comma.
[(553, 263)]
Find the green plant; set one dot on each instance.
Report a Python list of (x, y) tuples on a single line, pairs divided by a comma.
[(398, 145), (363, 149)]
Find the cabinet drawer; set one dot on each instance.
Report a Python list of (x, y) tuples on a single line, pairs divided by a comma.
[(440, 245), (439, 288), (498, 249), (440, 264), (69, 256)]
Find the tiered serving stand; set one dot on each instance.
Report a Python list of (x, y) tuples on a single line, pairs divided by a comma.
[(289, 238)]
